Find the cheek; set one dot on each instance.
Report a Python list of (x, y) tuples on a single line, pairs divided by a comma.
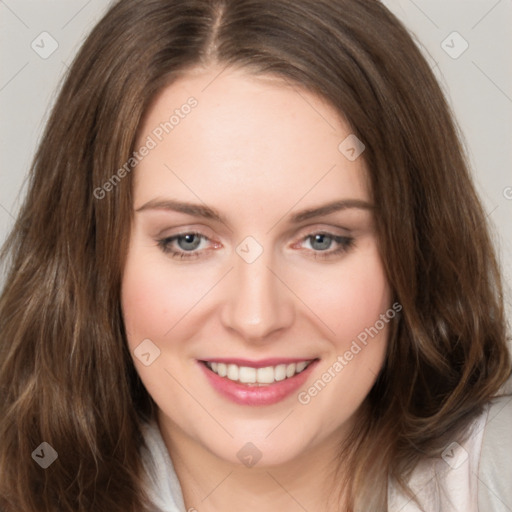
[(144, 303), (350, 297), (153, 298), (364, 299), (352, 309)]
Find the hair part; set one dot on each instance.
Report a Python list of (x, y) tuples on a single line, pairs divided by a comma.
[(66, 376)]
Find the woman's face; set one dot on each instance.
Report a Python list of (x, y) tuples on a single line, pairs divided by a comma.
[(254, 296)]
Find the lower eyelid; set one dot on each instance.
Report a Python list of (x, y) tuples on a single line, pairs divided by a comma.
[(342, 248)]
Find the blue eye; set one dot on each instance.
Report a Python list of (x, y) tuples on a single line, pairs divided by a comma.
[(184, 245), (188, 242), (321, 241), (326, 244), (194, 245)]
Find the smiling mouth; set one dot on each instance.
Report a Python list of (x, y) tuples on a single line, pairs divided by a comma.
[(257, 376)]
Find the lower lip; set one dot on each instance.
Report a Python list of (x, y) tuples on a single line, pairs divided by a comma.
[(268, 394)]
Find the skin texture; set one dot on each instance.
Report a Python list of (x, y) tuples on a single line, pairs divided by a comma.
[(256, 150)]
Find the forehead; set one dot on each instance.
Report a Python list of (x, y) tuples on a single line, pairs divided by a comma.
[(215, 134)]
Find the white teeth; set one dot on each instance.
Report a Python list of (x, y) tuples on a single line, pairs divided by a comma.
[(232, 372), (247, 375), (222, 369), (301, 366), (280, 372), (266, 375)]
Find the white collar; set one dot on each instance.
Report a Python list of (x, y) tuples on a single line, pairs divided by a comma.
[(449, 484), (162, 484)]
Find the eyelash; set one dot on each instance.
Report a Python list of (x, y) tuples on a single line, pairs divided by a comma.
[(165, 246), (345, 243)]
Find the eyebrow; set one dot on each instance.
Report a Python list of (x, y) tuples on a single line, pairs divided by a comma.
[(195, 210), (199, 210), (329, 208)]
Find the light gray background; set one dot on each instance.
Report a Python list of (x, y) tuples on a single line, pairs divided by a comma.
[(478, 83)]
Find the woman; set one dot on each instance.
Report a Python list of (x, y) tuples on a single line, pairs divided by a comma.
[(240, 278)]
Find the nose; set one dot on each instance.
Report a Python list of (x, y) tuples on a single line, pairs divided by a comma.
[(257, 304)]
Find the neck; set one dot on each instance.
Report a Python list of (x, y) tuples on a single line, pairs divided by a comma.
[(211, 484)]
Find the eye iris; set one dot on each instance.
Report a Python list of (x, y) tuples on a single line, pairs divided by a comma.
[(321, 242), (189, 242)]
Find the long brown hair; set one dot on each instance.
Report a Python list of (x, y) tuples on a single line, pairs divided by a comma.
[(66, 377)]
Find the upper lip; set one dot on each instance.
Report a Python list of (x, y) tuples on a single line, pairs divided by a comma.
[(262, 363)]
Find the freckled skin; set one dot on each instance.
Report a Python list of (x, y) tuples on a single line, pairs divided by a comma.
[(255, 151)]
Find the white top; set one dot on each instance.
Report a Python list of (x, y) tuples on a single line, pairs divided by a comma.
[(473, 476)]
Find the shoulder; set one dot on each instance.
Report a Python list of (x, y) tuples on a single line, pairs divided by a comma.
[(495, 468), (472, 474)]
